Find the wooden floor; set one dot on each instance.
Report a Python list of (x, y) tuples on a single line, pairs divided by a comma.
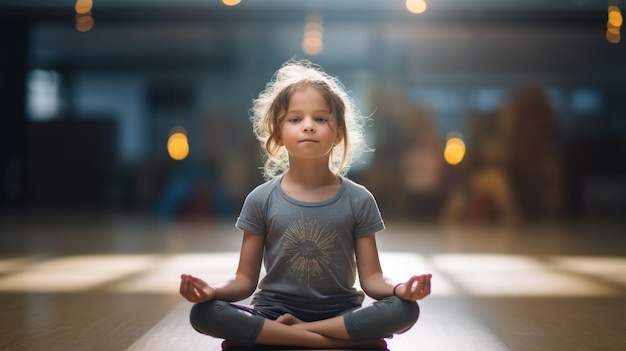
[(104, 282)]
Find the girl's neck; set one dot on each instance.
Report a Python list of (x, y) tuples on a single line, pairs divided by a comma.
[(310, 174), (310, 184)]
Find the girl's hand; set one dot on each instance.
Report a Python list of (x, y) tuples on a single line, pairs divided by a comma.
[(416, 288), (196, 290)]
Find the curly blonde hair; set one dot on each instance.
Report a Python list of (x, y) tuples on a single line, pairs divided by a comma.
[(270, 109)]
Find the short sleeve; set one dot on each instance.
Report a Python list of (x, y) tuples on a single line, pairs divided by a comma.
[(252, 216), (368, 219)]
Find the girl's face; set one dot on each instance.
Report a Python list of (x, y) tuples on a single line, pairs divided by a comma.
[(309, 130)]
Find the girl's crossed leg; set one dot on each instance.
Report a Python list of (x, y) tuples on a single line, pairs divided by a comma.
[(364, 327)]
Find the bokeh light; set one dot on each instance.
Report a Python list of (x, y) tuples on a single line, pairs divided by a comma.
[(615, 16), (454, 151), (231, 2), (84, 19), (178, 146), (313, 40), (83, 7), (613, 36), (614, 24), (84, 23), (416, 6)]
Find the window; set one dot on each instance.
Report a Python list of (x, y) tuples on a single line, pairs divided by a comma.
[(43, 95)]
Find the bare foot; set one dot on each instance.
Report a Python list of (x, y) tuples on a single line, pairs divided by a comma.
[(376, 344), (288, 319), (380, 344), (227, 344)]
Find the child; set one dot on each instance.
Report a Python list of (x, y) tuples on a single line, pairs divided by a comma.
[(312, 228)]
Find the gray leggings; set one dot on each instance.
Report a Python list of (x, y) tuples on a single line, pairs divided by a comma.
[(381, 319)]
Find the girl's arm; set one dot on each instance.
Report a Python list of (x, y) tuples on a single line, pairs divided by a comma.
[(371, 277), (375, 284), (238, 288), (247, 276)]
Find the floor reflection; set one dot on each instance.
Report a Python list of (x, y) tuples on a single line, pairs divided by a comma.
[(112, 282), (454, 274)]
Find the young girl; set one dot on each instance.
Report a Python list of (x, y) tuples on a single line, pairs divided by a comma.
[(312, 228)]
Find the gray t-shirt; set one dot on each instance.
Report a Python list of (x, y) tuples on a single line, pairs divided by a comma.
[(309, 247)]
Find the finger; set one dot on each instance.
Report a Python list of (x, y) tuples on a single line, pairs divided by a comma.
[(408, 288), (182, 284), (419, 288), (199, 282), (188, 290), (425, 287), (184, 288), (428, 284), (411, 284), (199, 290), (413, 290)]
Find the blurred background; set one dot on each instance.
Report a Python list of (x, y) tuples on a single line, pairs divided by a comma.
[(481, 111), (126, 151)]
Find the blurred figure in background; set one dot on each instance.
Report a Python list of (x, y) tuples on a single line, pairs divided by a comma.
[(531, 133), (408, 170), (512, 172)]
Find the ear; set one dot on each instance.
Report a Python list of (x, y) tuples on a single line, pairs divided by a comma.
[(279, 141), (338, 139), (339, 136)]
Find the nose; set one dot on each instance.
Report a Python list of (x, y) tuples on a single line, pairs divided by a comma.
[(308, 125)]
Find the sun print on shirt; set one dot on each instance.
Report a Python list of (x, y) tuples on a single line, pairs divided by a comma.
[(308, 248)]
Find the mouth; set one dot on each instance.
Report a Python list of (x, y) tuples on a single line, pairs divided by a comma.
[(308, 141)]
